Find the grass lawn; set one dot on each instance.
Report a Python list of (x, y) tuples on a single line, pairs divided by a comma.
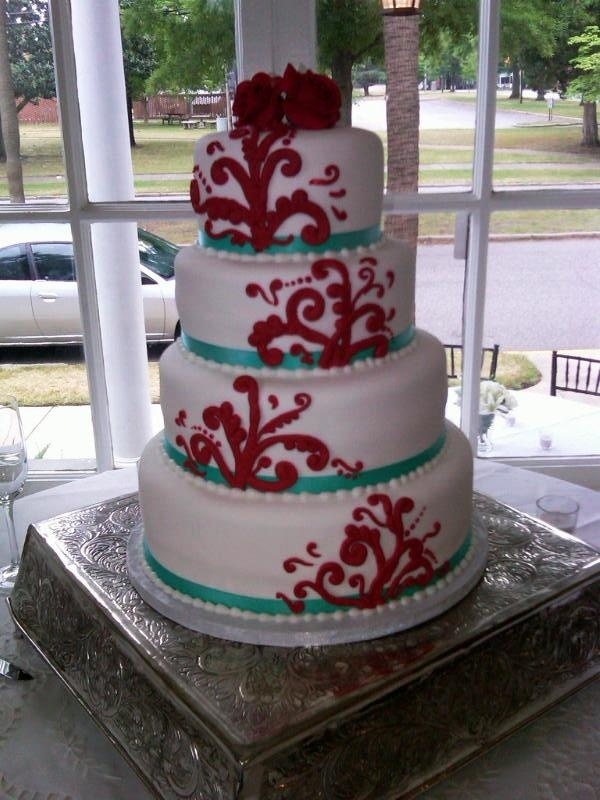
[(539, 155), (55, 384), (65, 384)]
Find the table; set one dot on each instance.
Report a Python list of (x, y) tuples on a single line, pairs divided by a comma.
[(191, 123), (571, 428), (49, 746), (170, 116)]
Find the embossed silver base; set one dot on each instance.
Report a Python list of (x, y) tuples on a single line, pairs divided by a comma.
[(305, 631), (203, 718)]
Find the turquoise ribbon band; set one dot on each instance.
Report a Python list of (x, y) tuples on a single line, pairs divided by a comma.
[(315, 484), (337, 241), (265, 605), (250, 358)]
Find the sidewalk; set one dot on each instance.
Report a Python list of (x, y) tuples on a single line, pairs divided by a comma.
[(65, 432)]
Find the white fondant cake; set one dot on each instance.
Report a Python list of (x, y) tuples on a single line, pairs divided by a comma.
[(277, 298), (305, 469)]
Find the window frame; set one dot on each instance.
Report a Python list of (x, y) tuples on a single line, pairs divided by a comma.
[(478, 204)]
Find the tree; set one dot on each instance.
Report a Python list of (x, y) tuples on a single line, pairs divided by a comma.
[(29, 49), (366, 75), (139, 61), (8, 116), (349, 32), (453, 63), (587, 82), (526, 28), (193, 41)]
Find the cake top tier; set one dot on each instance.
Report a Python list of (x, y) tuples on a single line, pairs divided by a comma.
[(285, 179)]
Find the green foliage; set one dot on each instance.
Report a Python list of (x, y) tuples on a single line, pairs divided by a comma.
[(452, 58), (443, 21), (139, 62), (349, 32), (30, 50), (366, 75), (352, 27), (587, 62), (193, 41)]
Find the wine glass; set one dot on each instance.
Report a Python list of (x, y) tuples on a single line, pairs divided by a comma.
[(13, 471)]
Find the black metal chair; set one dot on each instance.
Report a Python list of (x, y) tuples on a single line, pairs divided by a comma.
[(453, 350), (572, 373)]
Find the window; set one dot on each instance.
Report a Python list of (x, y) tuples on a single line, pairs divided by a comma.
[(467, 208), (53, 261), (157, 254), (13, 264)]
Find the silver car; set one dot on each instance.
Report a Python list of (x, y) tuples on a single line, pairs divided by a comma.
[(38, 290)]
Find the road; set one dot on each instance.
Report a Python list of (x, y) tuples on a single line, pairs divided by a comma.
[(438, 111), (540, 294)]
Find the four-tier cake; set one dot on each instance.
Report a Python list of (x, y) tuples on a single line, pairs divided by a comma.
[(306, 486)]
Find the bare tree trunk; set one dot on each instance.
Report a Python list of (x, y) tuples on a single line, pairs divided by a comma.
[(401, 36), (129, 102), (341, 72), (590, 125), (515, 92), (9, 119)]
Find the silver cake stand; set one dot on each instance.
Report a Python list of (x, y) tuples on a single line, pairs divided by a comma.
[(200, 717), (295, 631)]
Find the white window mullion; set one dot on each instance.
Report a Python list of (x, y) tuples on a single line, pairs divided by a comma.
[(476, 268)]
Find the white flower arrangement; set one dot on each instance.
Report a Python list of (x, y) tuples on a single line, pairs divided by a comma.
[(494, 397)]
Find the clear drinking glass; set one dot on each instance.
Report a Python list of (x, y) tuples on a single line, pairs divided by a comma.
[(13, 472)]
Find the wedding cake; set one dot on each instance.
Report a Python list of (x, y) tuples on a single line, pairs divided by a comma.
[(306, 487)]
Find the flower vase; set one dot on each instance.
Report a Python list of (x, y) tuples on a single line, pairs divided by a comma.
[(484, 443)]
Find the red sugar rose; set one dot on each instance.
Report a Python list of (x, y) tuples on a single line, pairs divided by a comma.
[(259, 102), (311, 101)]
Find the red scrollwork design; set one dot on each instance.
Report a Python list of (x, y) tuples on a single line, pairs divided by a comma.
[(332, 175), (258, 220), (308, 304), (383, 542), (244, 452)]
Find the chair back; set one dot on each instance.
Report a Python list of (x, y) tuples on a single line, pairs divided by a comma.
[(571, 373), (454, 360)]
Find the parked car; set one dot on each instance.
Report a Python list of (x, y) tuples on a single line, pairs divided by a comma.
[(38, 290)]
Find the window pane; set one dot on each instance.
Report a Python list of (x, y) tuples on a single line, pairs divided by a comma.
[(157, 253), (171, 107), (440, 278), (543, 294), (540, 114), (53, 262), (38, 146), (13, 264)]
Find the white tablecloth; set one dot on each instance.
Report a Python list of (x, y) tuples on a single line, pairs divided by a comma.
[(50, 749), (568, 427)]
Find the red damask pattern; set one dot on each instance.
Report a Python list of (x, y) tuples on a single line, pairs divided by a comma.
[(395, 558), (336, 301), (241, 453), (258, 219)]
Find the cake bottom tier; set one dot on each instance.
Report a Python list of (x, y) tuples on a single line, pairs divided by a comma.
[(406, 548)]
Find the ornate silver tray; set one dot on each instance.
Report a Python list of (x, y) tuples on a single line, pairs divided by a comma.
[(200, 717)]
